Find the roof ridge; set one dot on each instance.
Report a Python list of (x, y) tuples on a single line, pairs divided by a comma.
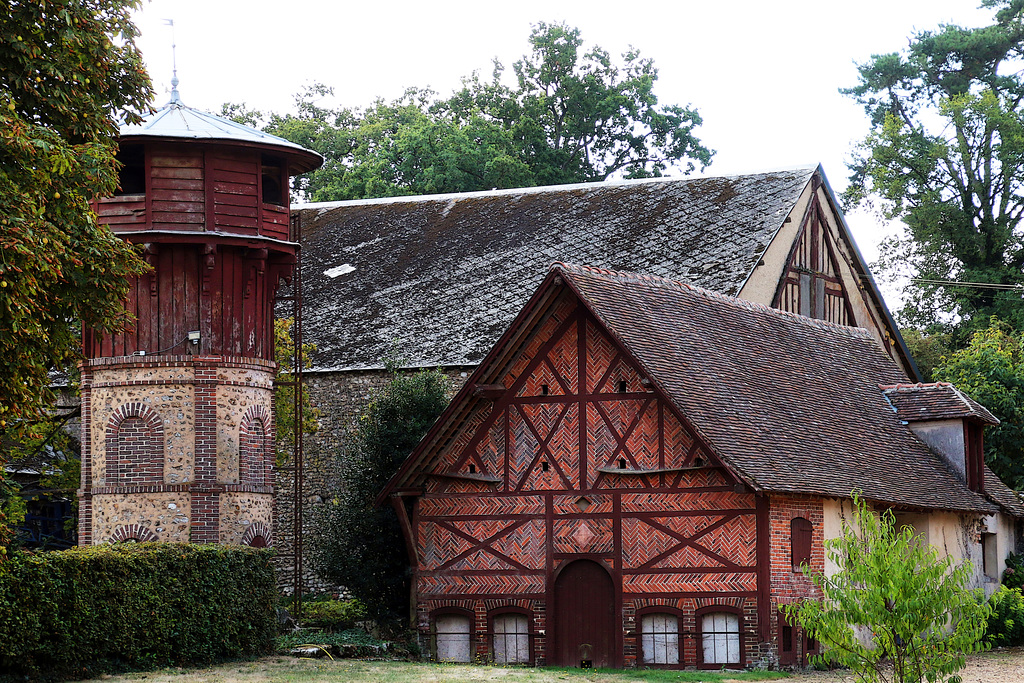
[(914, 385), (614, 182), (659, 281)]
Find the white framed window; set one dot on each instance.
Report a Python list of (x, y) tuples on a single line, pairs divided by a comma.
[(659, 638), (451, 634), (511, 638), (720, 638)]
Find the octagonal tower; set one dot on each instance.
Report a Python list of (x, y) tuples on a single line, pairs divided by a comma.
[(177, 410)]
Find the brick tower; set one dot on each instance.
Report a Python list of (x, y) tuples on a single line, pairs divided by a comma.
[(177, 411)]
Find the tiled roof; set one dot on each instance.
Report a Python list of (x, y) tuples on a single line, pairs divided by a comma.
[(440, 278), (935, 401), (1003, 495), (792, 404)]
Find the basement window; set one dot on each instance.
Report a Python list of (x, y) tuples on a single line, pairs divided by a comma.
[(544, 466), (622, 386), (472, 469), (543, 389), (622, 463)]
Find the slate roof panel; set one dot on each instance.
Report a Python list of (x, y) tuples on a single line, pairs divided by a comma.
[(791, 403), (441, 277)]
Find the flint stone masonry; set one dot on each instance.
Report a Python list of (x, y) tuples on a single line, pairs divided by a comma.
[(239, 511), (169, 392), (167, 515), (232, 404), (175, 422)]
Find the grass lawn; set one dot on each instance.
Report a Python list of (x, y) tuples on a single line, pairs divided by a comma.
[(287, 669)]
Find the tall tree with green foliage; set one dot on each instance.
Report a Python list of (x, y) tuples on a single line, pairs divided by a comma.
[(70, 69), (921, 618), (990, 369), (572, 116), (946, 156), (354, 543)]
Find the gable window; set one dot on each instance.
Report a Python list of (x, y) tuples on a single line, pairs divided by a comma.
[(719, 638), (801, 535), (511, 638), (659, 638), (452, 637)]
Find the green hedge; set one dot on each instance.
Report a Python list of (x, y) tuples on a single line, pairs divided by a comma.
[(81, 612)]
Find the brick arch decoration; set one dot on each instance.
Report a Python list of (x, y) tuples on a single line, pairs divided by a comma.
[(256, 531), (255, 447), (133, 532), (135, 446)]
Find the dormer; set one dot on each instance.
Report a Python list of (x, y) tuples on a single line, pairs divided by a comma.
[(949, 422)]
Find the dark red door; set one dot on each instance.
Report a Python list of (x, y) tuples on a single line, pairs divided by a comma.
[(584, 616)]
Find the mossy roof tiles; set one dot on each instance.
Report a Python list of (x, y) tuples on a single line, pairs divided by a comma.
[(439, 278)]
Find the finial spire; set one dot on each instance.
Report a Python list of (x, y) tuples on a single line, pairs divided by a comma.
[(175, 97)]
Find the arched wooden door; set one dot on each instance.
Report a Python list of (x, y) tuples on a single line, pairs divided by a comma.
[(584, 616)]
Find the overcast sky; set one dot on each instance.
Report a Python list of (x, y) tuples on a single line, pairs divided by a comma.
[(763, 74)]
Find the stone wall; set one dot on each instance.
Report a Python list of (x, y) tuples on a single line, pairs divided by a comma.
[(161, 449), (341, 398)]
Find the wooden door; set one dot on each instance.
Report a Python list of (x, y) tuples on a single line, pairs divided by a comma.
[(584, 616)]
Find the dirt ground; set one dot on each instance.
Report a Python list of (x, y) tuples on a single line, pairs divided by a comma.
[(1005, 665)]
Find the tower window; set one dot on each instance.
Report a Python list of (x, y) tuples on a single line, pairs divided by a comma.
[(131, 173), (272, 181)]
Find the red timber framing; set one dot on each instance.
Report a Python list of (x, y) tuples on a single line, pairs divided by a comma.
[(812, 285), (570, 453)]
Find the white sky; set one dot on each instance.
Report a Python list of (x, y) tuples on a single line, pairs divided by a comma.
[(763, 74)]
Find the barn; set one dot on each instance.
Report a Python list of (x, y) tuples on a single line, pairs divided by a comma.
[(437, 279), (635, 472)]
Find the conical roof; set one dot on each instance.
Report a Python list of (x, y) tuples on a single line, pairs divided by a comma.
[(176, 120)]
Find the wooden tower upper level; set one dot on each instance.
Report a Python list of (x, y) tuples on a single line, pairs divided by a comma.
[(184, 170), (209, 200)]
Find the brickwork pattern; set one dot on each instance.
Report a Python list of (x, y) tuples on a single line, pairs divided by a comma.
[(153, 456), (133, 532), (134, 440), (670, 527), (790, 585)]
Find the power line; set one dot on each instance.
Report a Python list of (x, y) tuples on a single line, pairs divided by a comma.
[(976, 285)]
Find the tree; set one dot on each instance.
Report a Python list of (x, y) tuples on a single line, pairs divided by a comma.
[(946, 156), (580, 118), (284, 392), (354, 543), (921, 618), (927, 350), (990, 369), (572, 117), (69, 70)]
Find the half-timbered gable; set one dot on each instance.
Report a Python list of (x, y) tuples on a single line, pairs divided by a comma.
[(637, 471)]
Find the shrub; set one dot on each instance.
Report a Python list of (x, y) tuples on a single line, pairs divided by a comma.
[(1006, 623), (334, 615), (1013, 575), (78, 613)]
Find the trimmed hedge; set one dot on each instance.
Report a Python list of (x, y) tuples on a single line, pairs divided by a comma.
[(81, 612)]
